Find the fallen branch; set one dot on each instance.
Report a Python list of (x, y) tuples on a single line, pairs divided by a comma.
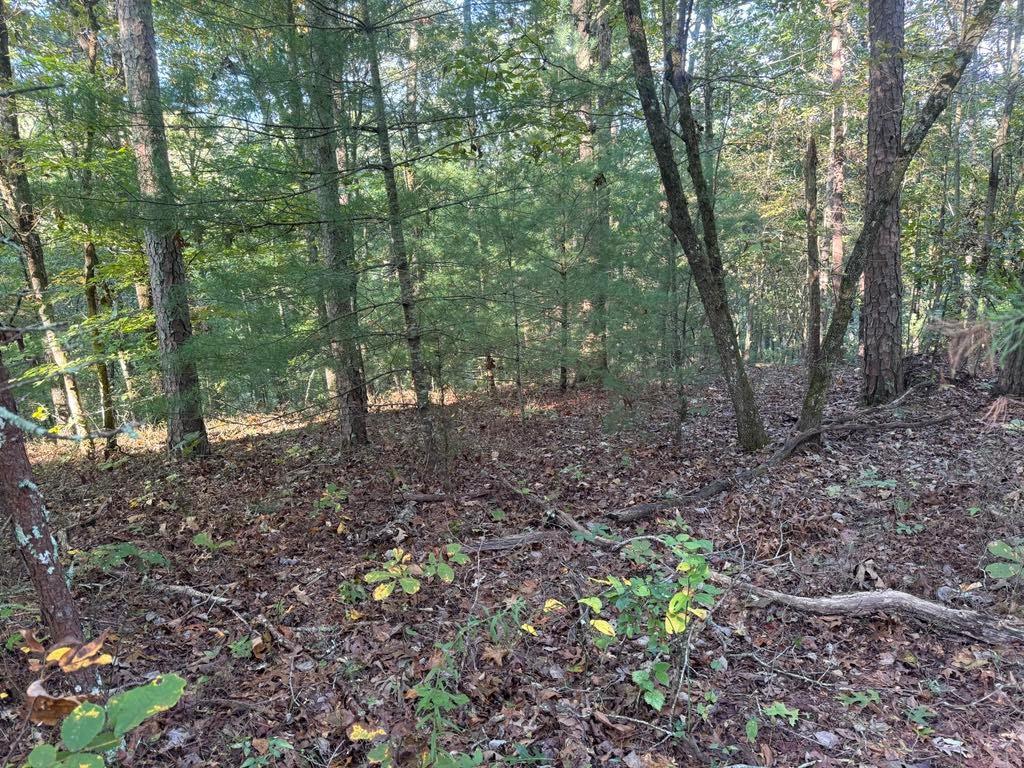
[(510, 542), (978, 626), (641, 511)]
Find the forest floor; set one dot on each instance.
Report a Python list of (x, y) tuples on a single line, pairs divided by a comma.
[(284, 525)]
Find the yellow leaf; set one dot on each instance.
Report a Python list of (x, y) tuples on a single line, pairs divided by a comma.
[(529, 629), (700, 613), (341, 527), (552, 605), (675, 623), (58, 653), (383, 590), (353, 615), (360, 732), (602, 626)]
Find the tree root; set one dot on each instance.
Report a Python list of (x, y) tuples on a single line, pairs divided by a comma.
[(642, 511), (972, 624)]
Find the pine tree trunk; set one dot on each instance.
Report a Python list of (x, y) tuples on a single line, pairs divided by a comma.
[(17, 198), (399, 254), (335, 239), (186, 429), (36, 544), (883, 285), (934, 105)]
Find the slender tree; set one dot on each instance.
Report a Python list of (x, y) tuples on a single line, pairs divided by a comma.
[(835, 185), (704, 257), (17, 199), (813, 254), (186, 429)]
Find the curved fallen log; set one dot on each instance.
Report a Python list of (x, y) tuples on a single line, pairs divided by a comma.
[(962, 621), (722, 484)]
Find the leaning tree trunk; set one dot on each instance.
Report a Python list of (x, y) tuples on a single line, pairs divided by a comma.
[(399, 253), (36, 544), (704, 258), (936, 102), (186, 429), (92, 310), (335, 239), (17, 198), (883, 285)]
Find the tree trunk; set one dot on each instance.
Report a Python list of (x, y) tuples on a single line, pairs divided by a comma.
[(813, 265), (17, 198), (996, 158), (36, 544), (883, 285), (935, 103), (705, 265), (186, 429), (399, 254), (92, 310), (336, 238), (835, 186), (1011, 379)]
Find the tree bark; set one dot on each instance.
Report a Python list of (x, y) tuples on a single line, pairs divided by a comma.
[(335, 238), (813, 265), (17, 198), (92, 311), (883, 284), (35, 542), (186, 429), (399, 254), (705, 265), (936, 102)]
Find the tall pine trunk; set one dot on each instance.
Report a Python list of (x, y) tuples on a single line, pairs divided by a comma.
[(186, 429), (883, 284), (835, 185), (934, 105), (399, 253)]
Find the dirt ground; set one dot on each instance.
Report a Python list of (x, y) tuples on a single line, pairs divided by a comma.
[(263, 606)]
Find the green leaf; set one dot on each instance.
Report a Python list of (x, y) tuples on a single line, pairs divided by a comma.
[(104, 742), (127, 710), (82, 760), (593, 603), (1002, 549), (1002, 570), (43, 756), (655, 699), (751, 729), (445, 572), (409, 585), (82, 725)]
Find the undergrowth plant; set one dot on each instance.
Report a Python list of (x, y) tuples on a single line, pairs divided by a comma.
[(400, 571)]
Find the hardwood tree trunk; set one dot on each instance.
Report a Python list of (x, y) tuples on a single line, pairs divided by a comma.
[(17, 198), (704, 258), (92, 310), (335, 239), (813, 265), (933, 106), (996, 158), (399, 253), (186, 429), (883, 284), (36, 544)]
